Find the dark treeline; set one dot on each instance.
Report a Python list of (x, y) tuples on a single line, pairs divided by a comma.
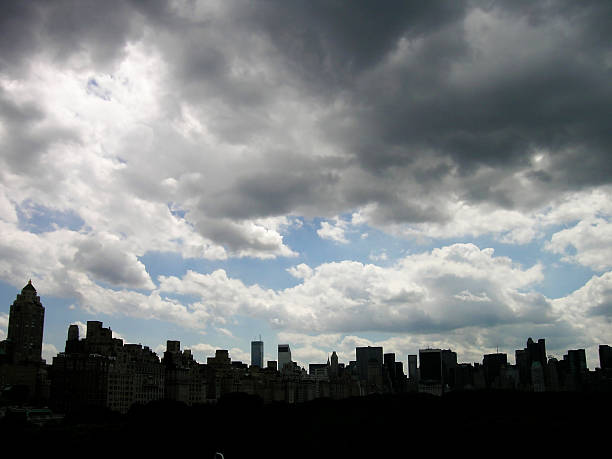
[(241, 426)]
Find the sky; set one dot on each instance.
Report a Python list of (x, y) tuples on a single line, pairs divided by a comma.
[(324, 174)]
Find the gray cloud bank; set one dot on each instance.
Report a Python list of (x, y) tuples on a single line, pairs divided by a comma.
[(402, 106)]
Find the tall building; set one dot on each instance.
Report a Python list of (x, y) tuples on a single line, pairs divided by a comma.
[(100, 370), (25, 329), (437, 367), (412, 367), (537, 351), (605, 357), (389, 363), (257, 354), (368, 358), (22, 368), (333, 366), (284, 356), (449, 365), (576, 361), (430, 365), (525, 358), (185, 380), (493, 364)]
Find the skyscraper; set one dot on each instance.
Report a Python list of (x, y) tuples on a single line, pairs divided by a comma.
[(493, 364), (431, 365), (257, 353), (537, 351), (576, 361), (284, 356), (333, 367), (25, 330), (368, 357), (605, 356), (525, 358), (412, 367)]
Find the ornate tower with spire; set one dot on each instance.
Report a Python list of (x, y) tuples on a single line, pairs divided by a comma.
[(25, 329)]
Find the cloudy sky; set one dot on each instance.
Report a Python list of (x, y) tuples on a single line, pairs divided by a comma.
[(325, 174)]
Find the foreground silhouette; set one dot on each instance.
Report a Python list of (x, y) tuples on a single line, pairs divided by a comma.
[(241, 426)]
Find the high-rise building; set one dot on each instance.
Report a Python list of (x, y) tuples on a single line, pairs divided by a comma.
[(605, 357), (389, 362), (333, 366), (576, 361), (284, 356), (430, 365), (257, 354), (537, 351), (25, 329), (449, 365), (437, 366), (492, 365), (412, 367), (368, 357), (525, 358), (100, 370), (21, 364)]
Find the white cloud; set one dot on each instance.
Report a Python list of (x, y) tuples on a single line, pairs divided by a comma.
[(237, 354), (335, 232), (225, 332), (48, 352), (516, 227), (425, 292), (381, 256), (591, 241), (301, 271), (589, 310), (7, 209), (205, 350), (202, 351)]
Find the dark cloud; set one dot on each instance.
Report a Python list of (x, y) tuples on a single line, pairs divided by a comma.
[(557, 100), (108, 262), (421, 97), (26, 135), (62, 29), (269, 193), (331, 42)]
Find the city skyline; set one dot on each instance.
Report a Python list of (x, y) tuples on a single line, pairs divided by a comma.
[(325, 175), (256, 357), (98, 369)]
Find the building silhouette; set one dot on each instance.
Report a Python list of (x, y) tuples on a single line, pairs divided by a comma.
[(334, 368), (25, 328), (185, 379), (100, 370), (284, 356), (605, 357), (413, 368), (21, 363), (257, 353), (493, 364), (531, 361), (368, 359)]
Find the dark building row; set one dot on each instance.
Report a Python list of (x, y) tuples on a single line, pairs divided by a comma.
[(101, 370)]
